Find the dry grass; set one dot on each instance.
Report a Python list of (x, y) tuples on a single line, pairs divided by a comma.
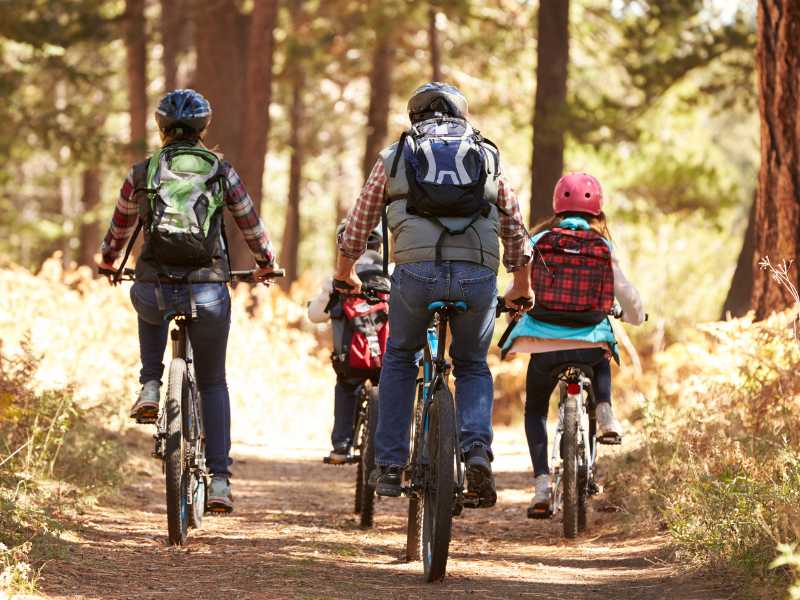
[(720, 459)]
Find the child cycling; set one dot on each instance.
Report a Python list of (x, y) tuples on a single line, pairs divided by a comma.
[(576, 277), (354, 320)]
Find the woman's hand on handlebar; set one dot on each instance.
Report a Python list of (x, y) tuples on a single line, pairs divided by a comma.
[(106, 269), (266, 274)]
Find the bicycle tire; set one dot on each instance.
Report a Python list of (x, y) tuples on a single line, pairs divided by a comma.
[(437, 513), (358, 442), (414, 522), (177, 479), (366, 461), (569, 458), (192, 427)]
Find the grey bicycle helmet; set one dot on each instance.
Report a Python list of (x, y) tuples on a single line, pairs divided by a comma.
[(183, 109), (437, 98)]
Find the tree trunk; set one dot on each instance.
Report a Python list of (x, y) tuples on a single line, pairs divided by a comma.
[(136, 59), (737, 302), (174, 40), (291, 231), (435, 47), (258, 87), (778, 195), (221, 56), (549, 117), (89, 234), (380, 91)]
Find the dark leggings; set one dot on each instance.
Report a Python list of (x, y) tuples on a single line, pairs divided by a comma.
[(540, 385)]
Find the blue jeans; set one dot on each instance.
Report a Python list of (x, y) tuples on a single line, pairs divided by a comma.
[(539, 385), (209, 338), (344, 411), (414, 287)]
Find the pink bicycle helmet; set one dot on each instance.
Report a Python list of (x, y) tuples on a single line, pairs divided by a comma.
[(578, 192)]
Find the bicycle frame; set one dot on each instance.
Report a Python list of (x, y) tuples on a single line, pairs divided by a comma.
[(576, 390)]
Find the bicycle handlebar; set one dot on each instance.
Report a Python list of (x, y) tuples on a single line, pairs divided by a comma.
[(128, 274), (522, 304)]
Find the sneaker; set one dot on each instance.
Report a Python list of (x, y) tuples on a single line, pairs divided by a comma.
[(609, 428), (339, 455), (145, 409), (388, 481), (543, 493), (220, 499), (480, 481)]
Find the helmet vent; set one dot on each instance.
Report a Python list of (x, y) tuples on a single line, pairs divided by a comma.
[(588, 195), (566, 194)]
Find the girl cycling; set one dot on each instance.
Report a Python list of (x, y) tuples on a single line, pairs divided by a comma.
[(576, 277)]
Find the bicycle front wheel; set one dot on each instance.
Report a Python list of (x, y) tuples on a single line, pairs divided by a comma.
[(367, 460), (437, 509), (175, 467), (569, 457)]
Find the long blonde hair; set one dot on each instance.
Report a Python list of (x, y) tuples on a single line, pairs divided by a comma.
[(597, 223)]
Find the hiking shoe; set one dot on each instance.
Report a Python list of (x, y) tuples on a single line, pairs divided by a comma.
[(480, 481), (339, 455), (220, 499), (145, 409), (388, 481), (539, 508), (610, 429)]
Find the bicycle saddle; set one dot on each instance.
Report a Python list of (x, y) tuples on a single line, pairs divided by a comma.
[(452, 308), (568, 372)]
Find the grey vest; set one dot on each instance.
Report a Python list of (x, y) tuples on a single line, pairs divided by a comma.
[(415, 237)]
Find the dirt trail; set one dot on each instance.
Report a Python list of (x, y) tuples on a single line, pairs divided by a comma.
[(293, 535)]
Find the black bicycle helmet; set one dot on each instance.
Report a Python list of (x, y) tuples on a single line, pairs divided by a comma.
[(374, 240), (436, 98), (183, 108)]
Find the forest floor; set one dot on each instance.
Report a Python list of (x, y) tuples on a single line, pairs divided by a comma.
[(294, 535)]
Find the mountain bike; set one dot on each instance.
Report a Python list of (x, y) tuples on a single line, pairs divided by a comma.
[(574, 450), (364, 424), (179, 441), (435, 473)]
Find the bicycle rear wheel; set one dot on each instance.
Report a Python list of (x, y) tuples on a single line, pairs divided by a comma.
[(437, 517), (366, 463), (414, 523), (176, 451), (193, 433), (569, 450), (359, 432)]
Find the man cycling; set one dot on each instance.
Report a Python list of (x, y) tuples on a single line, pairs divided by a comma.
[(174, 272), (438, 258)]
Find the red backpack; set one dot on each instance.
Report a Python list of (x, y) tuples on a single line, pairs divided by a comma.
[(360, 329), (573, 278)]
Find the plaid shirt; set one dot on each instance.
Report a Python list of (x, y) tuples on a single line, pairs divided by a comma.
[(366, 214), (237, 200)]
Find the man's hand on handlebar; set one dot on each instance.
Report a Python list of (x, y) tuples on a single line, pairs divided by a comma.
[(266, 274)]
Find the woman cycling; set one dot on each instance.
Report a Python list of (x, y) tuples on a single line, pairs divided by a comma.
[(175, 271), (579, 231)]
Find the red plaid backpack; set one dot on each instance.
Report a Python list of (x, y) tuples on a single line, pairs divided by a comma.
[(573, 277)]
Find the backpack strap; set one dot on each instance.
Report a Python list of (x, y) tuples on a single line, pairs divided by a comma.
[(401, 143), (385, 233), (139, 174)]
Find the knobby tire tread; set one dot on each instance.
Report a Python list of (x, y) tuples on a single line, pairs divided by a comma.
[(367, 462), (438, 504), (173, 467), (569, 480)]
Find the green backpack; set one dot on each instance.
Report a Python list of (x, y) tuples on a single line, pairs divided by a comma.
[(185, 187)]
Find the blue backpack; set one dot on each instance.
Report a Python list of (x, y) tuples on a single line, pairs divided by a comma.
[(447, 163)]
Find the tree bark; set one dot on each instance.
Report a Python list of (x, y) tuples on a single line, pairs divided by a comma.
[(136, 59), (380, 91), (435, 47), (89, 234), (174, 40), (291, 231), (258, 87), (220, 42), (740, 294), (549, 117), (778, 195)]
